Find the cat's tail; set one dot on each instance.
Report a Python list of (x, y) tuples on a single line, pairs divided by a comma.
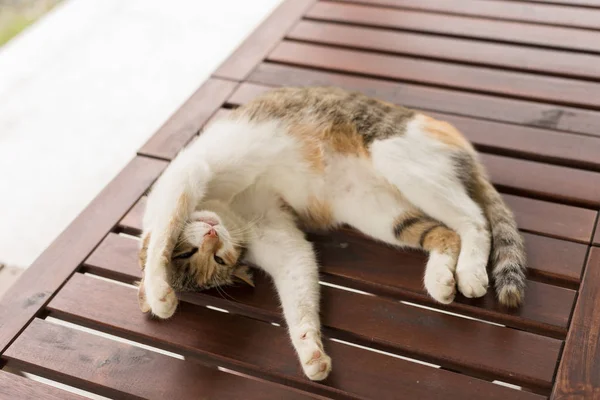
[(508, 252)]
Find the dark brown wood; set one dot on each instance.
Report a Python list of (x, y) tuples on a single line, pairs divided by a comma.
[(382, 324), (555, 220), (254, 49), (492, 137), (582, 3), (188, 120), (505, 10), (596, 240), (14, 387), (259, 348), (550, 182), (355, 261), (549, 116), (579, 372), (451, 25), (120, 370), (516, 84), (132, 221), (36, 286), (453, 49)]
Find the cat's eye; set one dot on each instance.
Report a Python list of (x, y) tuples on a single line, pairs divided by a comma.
[(219, 260), (187, 254)]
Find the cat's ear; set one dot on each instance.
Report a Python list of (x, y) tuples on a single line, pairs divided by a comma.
[(144, 306), (242, 273)]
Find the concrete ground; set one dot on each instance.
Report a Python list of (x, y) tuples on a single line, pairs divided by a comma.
[(87, 85)]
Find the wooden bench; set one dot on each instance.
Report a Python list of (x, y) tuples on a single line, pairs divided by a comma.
[(520, 79)]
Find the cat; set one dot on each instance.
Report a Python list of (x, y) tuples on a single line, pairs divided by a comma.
[(323, 157)]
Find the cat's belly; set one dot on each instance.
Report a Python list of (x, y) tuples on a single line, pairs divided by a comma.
[(317, 198)]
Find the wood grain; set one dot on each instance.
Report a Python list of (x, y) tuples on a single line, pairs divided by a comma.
[(521, 112), (578, 375), (48, 273), (452, 25), (504, 10), (549, 182), (254, 49), (187, 121), (453, 49), (508, 83), (14, 387), (255, 347), (119, 370)]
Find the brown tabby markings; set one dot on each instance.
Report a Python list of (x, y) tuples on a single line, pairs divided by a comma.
[(443, 131), (417, 229), (345, 122)]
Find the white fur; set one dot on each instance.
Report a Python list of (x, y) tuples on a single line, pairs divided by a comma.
[(250, 166)]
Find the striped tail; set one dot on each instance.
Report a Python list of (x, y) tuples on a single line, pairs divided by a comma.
[(508, 252)]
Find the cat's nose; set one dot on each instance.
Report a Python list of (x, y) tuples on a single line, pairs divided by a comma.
[(211, 233)]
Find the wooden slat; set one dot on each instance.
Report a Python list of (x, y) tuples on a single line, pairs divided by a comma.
[(596, 240), (462, 50), (551, 219), (506, 10), (493, 137), (358, 262), (479, 28), (509, 83), (13, 387), (579, 372), (258, 347), (436, 99), (120, 370), (132, 221), (187, 120), (35, 287), (581, 3), (254, 49), (383, 324), (557, 183), (553, 260)]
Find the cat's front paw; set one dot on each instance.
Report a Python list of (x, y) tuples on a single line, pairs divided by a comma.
[(315, 363), (160, 298)]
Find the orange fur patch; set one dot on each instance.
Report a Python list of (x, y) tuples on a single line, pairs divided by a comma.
[(444, 132), (318, 214), (443, 240)]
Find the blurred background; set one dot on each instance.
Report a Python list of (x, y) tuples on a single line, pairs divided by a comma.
[(83, 84)]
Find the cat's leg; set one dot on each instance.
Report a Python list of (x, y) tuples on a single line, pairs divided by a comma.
[(380, 212), (429, 175), (281, 250), (170, 203)]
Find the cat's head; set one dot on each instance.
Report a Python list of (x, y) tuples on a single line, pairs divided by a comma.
[(208, 251)]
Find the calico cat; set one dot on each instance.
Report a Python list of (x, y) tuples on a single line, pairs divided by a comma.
[(323, 157)]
